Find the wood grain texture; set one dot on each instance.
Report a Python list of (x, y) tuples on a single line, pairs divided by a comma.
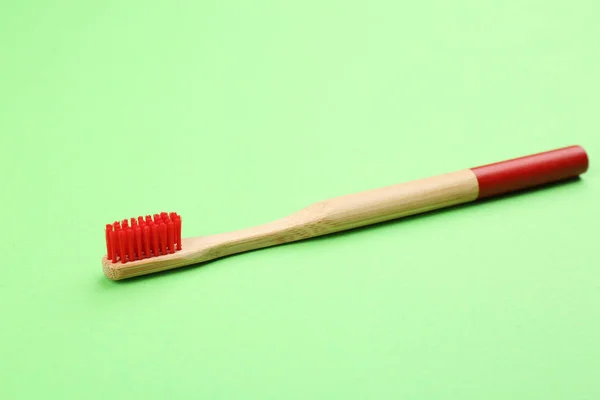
[(322, 218)]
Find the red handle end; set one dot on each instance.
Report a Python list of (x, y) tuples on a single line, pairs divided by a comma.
[(531, 171)]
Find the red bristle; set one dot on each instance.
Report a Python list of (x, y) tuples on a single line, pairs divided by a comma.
[(135, 226), (139, 251), (162, 238), (117, 229), (123, 245), (146, 240), (171, 237), (126, 228), (143, 237), (114, 244), (130, 245), (154, 238), (108, 244), (164, 216), (178, 231)]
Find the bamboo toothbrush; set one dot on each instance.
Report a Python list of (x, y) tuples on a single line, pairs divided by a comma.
[(146, 245)]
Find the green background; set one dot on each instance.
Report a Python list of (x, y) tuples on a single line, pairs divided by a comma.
[(235, 113)]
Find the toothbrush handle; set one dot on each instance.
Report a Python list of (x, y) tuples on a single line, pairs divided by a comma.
[(382, 204)]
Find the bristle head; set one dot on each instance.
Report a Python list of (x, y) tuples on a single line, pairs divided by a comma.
[(143, 237)]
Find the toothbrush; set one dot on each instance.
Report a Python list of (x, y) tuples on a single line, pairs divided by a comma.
[(146, 245)]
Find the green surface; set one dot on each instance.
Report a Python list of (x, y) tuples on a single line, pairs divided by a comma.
[(237, 113)]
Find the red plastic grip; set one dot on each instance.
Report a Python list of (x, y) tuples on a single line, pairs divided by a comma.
[(531, 171)]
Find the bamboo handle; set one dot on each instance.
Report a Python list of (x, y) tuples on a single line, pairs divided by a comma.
[(409, 198), (352, 211), (400, 200)]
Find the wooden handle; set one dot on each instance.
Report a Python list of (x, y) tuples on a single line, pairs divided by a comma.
[(404, 199), (396, 201), (352, 211), (400, 200)]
